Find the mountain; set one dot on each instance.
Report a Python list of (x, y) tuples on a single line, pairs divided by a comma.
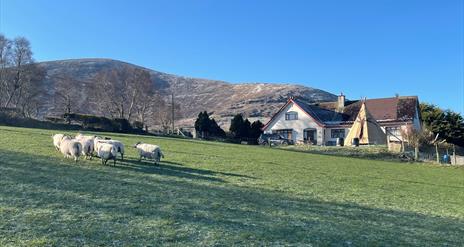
[(223, 99)]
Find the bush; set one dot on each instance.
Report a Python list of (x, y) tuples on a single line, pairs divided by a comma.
[(137, 125), (11, 120)]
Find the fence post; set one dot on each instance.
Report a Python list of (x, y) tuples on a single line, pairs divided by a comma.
[(454, 155)]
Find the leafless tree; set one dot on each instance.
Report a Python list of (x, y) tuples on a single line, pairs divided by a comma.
[(67, 94), (416, 138), (5, 61), (121, 93), (30, 97), (21, 71)]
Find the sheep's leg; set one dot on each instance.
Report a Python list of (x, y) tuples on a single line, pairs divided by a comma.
[(140, 158), (102, 161), (122, 156), (114, 161)]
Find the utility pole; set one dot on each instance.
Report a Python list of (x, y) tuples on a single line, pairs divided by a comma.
[(172, 111)]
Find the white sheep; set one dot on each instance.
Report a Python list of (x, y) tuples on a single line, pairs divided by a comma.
[(80, 136), (57, 140), (149, 151), (107, 151), (70, 148), (87, 147), (119, 145), (87, 143)]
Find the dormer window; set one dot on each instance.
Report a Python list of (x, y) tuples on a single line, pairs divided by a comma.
[(291, 115)]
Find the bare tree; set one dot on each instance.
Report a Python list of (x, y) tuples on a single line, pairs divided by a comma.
[(417, 138), (20, 71), (66, 95), (30, 96), (123, 92), (5, 61)]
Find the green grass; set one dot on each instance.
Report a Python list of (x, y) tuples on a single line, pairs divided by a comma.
[(207, 193), (377, 152)]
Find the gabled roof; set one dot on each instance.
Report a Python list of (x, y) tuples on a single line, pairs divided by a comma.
[(306, 108), (321, 114), (383, 110), (396, 108)]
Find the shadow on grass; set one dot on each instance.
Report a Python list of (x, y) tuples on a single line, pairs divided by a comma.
[(174, 168), (166, 170), (419, 182), (383, 156), (42, 198)]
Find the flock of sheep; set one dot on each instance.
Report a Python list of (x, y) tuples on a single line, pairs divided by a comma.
[(105, 148)]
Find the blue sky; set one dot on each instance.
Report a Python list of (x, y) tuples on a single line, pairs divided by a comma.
[(361, 48)]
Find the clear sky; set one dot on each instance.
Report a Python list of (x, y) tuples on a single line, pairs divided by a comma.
[(361, 48)]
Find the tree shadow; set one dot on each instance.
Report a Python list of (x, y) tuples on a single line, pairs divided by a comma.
[(387, 157), (147, 166), (419, 182), (166, 170), (100, 205)]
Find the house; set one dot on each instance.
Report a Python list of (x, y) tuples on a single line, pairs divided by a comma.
[(323, 123)]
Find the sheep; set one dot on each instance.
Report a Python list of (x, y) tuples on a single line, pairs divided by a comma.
[(80, 136), (87, 147), (107, 151), (149, 151), (70, 148), (57, 140), (119, 145), (87, 143)]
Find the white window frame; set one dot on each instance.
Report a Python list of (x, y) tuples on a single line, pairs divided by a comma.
[(291, 115), (337, 135)]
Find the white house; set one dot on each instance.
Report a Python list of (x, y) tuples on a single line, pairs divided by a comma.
[(323, 123)]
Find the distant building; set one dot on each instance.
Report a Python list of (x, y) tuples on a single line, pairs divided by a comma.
[(323, 123)]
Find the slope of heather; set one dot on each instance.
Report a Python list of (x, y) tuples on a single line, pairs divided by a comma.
[(224, 99)]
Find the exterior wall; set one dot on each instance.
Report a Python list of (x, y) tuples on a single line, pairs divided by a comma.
[(416, 121), (298, 126), (328, 134)]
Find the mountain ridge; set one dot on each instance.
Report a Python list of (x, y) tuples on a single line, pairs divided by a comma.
[(224, 99)]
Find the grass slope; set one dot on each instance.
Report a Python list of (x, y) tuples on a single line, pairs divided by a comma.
[(207, 193)]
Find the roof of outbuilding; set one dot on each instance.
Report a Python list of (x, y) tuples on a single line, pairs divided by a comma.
[(383, 109)]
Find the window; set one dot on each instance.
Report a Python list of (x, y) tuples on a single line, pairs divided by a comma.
[(291, 115), (337, 133), (394, 133), (286, 133)]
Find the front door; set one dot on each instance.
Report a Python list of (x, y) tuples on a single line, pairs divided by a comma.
[(309, 136)]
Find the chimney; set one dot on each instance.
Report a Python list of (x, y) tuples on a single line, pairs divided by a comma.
[(341, 102)]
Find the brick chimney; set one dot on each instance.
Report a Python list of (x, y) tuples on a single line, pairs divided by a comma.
[(341, 102)]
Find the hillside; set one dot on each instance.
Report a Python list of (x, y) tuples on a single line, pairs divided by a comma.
[(217, 194), (225, 99)]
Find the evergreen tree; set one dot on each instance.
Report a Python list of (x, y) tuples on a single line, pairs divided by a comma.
[(245, 129), (202, 124), (448, 124), (236, 125), (207, 126), (256, 127)]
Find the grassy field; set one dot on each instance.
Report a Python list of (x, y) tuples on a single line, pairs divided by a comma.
[(207, 193)]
